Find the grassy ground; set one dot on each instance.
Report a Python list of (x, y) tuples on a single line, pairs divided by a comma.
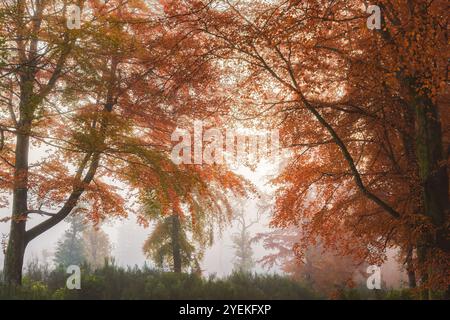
[(112, 282)]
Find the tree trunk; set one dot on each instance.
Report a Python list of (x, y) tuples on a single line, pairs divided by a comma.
[(412, 282), (17, 237), (176, 250), (433, 171), (434, 178), (14, 255), (424, 272)]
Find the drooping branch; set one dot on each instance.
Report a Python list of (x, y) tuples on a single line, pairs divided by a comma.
[(351, 163), (336, 138)]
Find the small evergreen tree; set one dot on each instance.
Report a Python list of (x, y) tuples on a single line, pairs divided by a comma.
[(69, 249)]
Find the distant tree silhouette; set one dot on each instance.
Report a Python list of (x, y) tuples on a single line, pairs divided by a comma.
[(96, 247), (242, 244), (69, 249)]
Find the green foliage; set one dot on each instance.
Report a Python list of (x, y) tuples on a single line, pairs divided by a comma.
[(159, 245), (362, 293), (191, 238), (112, 282), (405, 294)]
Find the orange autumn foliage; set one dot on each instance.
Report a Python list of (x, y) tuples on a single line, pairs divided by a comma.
[(363, 111), (98, 104)]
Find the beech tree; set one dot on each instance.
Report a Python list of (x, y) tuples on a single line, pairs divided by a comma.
[(101, 100), (361, 110)]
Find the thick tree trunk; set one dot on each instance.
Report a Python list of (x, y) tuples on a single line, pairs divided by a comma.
[(433, 171), (434, 178), (412, 283), (14, 255), (17, 238), (176, 250)]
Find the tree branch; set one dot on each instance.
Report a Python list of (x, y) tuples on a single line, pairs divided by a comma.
[(68, 205), (41, 212)]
